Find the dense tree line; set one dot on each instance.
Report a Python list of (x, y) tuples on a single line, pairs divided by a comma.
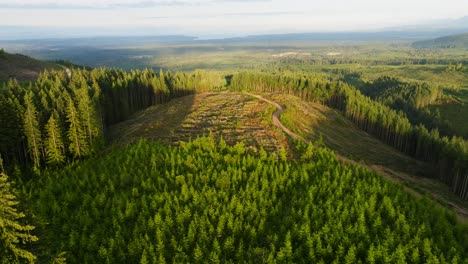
[(449, 155), (207, 202), (402, 95), (410, 97), (65, 114), (295, 61)]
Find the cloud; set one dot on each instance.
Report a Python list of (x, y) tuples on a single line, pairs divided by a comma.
[(241, 14), (147, 4), (110, 5), (239, 1)]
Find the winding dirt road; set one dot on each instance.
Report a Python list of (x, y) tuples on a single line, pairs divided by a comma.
[(390, 174), (276, 116)]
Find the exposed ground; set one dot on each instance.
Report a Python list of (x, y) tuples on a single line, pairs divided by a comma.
[(314, 121), (234, 116)]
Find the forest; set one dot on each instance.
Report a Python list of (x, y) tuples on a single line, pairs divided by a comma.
[(205, 201)]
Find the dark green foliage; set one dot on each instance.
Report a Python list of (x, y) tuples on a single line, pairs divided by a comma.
[(411, 98), (204, 202), (402, 95), (2, 54)]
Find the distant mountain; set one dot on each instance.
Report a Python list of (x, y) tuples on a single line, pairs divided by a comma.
[(451, 23), (396, 35), (459, 41), (21, 67)]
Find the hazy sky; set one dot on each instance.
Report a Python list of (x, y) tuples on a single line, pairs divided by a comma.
[(225, 17)]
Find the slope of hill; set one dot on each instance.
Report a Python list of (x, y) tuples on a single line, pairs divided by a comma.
[(22, 67), (207, 202), (449, 42), (234, 116), (243, 118)]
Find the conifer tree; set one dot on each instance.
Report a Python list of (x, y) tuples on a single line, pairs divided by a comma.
[(76, 136), (88, 115), (32, 130), (54, 141), (12, 233)]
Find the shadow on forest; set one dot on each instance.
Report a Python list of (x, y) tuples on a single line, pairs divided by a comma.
[(157, 122)]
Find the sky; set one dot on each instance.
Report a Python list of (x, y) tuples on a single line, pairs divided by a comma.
[(217, 18)]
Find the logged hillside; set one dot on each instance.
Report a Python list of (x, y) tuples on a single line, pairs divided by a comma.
[(235, 117), (22, 67), (449, 42)]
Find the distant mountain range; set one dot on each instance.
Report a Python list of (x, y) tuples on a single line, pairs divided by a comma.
[(454, 41), (417, 31), (435, 25)]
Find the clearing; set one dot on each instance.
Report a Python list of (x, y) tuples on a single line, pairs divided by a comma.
[(234, 116)]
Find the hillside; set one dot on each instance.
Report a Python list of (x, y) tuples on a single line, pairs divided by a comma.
[(239, 117), (234, 116), (449, 42), (22, 67)]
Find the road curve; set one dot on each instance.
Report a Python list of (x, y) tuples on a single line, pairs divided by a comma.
[(275, 118)]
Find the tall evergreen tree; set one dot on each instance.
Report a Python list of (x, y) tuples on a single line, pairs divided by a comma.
[(88, 115), (76, 136), (32, 130), (54, 141), (12, 233)]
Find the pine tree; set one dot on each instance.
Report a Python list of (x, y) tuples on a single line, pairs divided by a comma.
[(76, 136), (32, 130), (11, 135), (88, 115), (12, 233), (54, 142)]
